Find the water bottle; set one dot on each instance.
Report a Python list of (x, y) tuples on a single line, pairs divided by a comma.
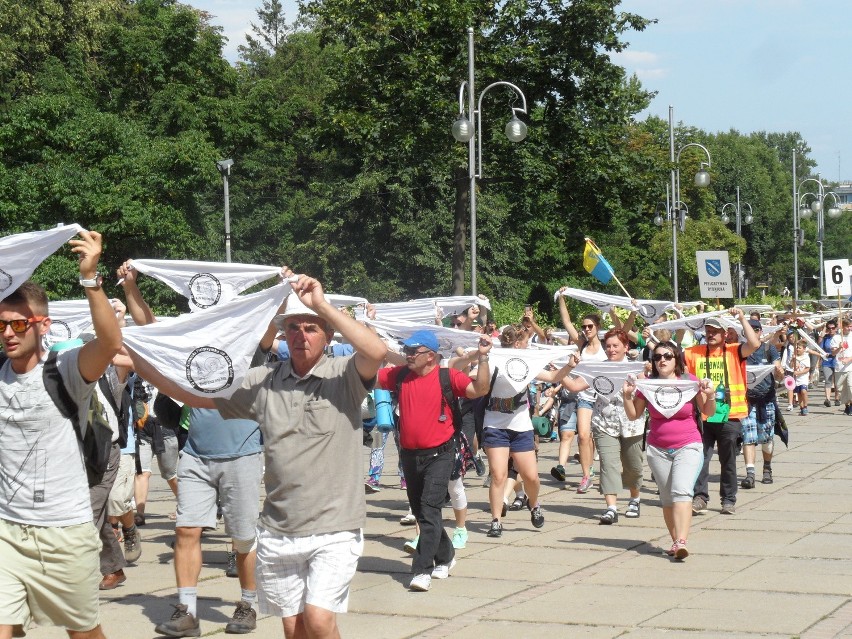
[(720, 394)]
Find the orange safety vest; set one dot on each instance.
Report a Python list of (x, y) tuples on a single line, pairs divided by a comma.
[(696, 363)]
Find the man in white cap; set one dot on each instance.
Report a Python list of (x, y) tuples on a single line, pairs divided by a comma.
[(309, 410)]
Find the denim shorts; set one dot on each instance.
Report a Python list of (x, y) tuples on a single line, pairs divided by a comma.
[(585, 403), (515, 441), (571, 424)]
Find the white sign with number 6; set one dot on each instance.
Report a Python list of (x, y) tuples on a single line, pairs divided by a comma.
[(837, 278)]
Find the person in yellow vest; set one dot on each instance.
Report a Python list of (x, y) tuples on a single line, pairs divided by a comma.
[(725, 364)]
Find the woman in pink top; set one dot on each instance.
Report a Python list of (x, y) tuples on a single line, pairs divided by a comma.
[(674, 452)]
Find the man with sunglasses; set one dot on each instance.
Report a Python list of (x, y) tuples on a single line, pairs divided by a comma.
[(50, 569), (428, 443), (724, 364)]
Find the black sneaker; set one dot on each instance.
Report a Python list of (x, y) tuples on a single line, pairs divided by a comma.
[(748, 482), (827, 403), (243, 620), (558, 472), (182, 624), (496, 529), (537, 517)]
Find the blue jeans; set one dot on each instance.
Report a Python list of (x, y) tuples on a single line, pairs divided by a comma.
[(427, 476), (725, 435)]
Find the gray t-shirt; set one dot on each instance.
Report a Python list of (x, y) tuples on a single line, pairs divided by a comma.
[(42, 476), (312, 444)]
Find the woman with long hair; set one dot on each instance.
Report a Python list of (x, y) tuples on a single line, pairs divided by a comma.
[(675, 451)]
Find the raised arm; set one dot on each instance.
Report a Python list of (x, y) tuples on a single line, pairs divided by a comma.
[(136, 306), (482, 382), (566, 317), (97, 354), (752, 342), (166, 386)]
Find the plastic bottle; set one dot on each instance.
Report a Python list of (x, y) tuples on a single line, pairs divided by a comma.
[(720, 393)]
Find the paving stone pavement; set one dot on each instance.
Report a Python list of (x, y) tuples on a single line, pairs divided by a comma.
[(781, 567)]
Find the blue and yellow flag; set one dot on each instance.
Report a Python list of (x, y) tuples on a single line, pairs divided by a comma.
[(594, 263)]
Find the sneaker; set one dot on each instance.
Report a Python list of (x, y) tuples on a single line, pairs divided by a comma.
[(728, 508), (132, 545), (410, 546), (699, 505), (585, 484), (182, 624), (789, 408), (827, 403), (403, 485), (243, 620), (505, 508), (520, 503), (837, 402), (479, 465), (487, 482), (231, 570), (748, 482), (804, 411), (634, 509), (671, 551), (371, 486), (680, 551), (537, 517), (420, 583), (442, 571), (558, 472), (460, 538), (496, 529), (408, 520), (767, 475)]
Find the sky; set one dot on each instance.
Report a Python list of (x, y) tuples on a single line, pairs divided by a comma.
[(748, 65)]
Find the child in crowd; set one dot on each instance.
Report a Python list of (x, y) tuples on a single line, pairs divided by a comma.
[(801, 371)]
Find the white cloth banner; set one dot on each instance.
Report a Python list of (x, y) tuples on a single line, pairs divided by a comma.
[(417, 312), (208, 353), (340, 301), (457, 303), (694, 322), (516, 368), (21, 254), (448, 338), (607, 378), (559, 352), (755, 373), (68, 319), (648, 309), (668, 395), (206, 284), (803, 333)]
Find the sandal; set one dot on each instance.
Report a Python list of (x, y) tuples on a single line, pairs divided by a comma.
[(610, 516), (632, 511), (519, 503)]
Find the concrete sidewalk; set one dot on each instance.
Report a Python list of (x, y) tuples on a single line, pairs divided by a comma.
[(780, 568)]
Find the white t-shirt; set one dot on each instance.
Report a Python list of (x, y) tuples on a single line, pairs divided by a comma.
[(802, 362), (587, 356), (845, 351), (42, 476)]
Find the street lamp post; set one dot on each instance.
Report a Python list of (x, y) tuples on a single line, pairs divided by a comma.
[(468, 128), (740, 219), (224, 167), (677, 210), (817, 205)]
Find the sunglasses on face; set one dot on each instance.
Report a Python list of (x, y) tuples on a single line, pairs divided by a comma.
[(666, 356), (411, 351), (588, 327), (20, 326)]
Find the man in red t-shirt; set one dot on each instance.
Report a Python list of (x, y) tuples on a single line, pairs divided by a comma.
[(428, 443)]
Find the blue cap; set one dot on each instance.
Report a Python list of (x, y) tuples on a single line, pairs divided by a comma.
[(422, 338)]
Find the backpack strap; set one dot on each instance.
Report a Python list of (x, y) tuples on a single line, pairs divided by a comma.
[(55, 387), (449, 399), (400, 377)]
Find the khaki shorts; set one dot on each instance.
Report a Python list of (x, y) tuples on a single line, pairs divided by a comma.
[(121, 493), (49, 575)]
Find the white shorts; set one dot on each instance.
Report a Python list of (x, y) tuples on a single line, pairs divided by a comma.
[(294, 571)]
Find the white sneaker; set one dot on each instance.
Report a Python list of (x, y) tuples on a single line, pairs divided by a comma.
[(790, 408), (408, 520), (442, 571), (420, 583)]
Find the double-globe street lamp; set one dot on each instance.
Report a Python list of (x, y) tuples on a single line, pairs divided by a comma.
[(817, 205), (676, 209), (468, 128), (740, 220)]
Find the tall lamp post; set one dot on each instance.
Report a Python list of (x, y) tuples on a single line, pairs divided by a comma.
[(224, 167), (468, 128), (817, 205), (676, 209), (740, 219)]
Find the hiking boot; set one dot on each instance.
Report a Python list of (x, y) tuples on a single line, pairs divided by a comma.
[(231, 569), (420, 583), (112, 580), (728, 508), (699, 505), (132, 545), (585, 484), (748, 482), (827, 403), (558, 472), (767, 475), (496, 529), (243, 620), (537, 517), (182, 624)]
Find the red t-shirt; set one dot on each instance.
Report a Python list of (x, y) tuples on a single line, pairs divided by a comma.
[(420, 405)]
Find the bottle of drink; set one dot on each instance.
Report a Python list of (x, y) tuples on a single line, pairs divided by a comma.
[(720, 393)]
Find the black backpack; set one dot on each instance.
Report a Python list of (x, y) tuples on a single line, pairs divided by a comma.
[(125, 412), (97, 442)]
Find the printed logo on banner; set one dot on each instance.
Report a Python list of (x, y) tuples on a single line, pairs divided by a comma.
[(713, 267), (209, 369), (517, 369), (694, 324), (205, 290), (59, 332), (668, 397), (5, 280), (603, 385), (751, 378), (647, 311)]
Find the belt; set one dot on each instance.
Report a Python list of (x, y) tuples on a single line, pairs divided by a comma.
[(426, 452)]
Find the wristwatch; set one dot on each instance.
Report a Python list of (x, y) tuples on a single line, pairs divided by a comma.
[(94, 282)]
